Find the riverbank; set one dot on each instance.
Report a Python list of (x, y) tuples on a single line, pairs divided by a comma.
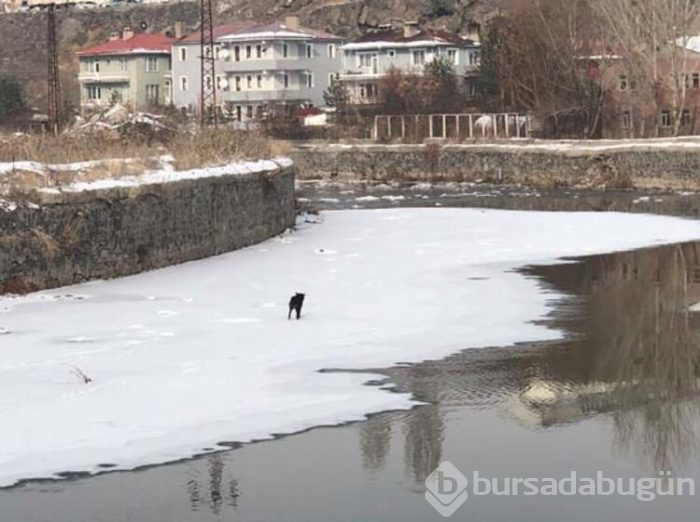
[(112, 227), (669, 164)]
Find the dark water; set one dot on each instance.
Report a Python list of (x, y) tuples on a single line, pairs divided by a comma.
[(332, 196), (619, 395)]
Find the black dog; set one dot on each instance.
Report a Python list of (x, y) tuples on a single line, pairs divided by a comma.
[(295, 303)]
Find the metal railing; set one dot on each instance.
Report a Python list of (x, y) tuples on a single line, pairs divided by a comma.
[(416, 128)]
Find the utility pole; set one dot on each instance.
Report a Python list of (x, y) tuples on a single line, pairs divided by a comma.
[(54, 84), (207, 92)]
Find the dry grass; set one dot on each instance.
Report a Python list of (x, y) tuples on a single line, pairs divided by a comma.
[(217, 147), (115, 156)]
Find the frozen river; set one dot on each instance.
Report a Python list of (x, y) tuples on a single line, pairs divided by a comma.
[(188, 357)]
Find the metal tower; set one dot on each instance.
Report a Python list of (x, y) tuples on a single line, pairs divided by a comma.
[(54, 84), (207, 93)]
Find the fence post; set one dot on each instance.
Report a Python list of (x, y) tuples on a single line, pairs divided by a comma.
[(444, 126), (457, 131), (403, 128), (507, 129), (375, 128), (471, 127), (430, 126)]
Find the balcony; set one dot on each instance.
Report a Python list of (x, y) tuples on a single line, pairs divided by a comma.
[(279, 95), (282, 64), (104, 77)]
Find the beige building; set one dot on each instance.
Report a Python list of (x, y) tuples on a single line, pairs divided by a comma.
[(131, 69)]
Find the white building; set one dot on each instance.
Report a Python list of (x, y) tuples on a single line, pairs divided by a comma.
[(369, 58), (257, 65)]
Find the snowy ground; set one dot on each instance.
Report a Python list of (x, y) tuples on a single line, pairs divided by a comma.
[(190, 355)]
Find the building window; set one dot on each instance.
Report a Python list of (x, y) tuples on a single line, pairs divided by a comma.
[(392, 53), (332, 78), (183, 83), (309, 51), (217, 52), (285, 51), (249, 82), (219, 83), (626, 120), (248, 52), (453, 56), (418, 57), (685, 118), (249, 112), (94, 92), (152, 92), (259, 79), (310, 80), (239, 113), (93, 66), (696, 80), (151, 64), (473, 57), (368, 90), (237, 53), (258, 51), (238, 83), (665, 119), (623, 84), (366, 60), (285, 80), (331, 50), (183, 54), (123, 65)]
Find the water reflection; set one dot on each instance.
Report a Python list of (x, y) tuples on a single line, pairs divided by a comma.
[(632, 352), (212, 492), (375, 441)]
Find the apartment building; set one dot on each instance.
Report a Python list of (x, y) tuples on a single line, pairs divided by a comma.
[(369, 58), (131, 68), (259, 65)]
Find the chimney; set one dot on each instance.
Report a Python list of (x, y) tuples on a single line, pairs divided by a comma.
[(179, 29), (127, 33), (292, 22), (114, 35), (410, 29)]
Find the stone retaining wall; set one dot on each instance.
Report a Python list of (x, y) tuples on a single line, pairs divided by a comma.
[(663, 163), (64, 238)]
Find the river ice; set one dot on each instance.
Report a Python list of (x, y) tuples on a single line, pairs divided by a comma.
[(184, 357)]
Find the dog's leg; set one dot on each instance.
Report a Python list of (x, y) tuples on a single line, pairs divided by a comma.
[(289, 315), (298, 313)]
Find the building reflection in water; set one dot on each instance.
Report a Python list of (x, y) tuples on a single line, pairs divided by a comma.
[(632, 352)]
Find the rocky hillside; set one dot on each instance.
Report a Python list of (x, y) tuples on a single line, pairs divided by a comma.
[(23, 35)]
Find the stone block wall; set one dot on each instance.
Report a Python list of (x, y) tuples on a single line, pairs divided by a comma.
[(65, 238), (663, 165)]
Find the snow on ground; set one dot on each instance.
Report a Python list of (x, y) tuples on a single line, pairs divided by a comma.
[(163, 174), (186, 356), (682, 143)]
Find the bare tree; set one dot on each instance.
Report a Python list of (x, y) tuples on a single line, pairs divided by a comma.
[(535, 57), (651, 40)]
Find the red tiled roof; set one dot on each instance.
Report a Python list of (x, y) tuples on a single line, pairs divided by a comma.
[(258, 27), (139, 43)]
